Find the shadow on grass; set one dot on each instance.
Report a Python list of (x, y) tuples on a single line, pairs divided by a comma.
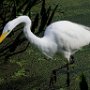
[(24, 83)]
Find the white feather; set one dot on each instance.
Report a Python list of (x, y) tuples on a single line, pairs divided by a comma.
[(60, 37)]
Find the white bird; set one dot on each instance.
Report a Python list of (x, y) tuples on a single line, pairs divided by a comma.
[(63, 37), (60, 37)]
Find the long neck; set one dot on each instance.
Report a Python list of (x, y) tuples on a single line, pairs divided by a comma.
[(27, 25), (42, 43)]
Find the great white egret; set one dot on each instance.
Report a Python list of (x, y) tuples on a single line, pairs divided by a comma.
[(60, 37)]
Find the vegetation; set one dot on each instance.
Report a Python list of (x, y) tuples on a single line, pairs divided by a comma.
[(22, 66)]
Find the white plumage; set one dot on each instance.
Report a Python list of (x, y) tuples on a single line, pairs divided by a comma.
[(60, 37)]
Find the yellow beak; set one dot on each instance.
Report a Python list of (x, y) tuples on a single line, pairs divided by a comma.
[(3, 36)]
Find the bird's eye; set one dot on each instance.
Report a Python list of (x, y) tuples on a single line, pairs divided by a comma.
[(8, 31)]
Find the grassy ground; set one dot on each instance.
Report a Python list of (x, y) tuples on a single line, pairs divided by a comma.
[(31, 71)]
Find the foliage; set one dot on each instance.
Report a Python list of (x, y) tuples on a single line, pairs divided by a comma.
[(30, 70), (83, 83), (9, 10)]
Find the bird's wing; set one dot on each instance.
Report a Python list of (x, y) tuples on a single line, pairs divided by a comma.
[(69, 34), (76, 36)]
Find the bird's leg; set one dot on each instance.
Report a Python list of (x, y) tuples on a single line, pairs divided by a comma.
[(54, 73), (72, 59), (53, 78), (68, 75), (68, 72)]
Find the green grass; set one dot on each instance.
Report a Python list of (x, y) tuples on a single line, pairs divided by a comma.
[(31, 71)]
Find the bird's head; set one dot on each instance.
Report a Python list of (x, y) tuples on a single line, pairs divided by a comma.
[(6, 31), (12, 24)]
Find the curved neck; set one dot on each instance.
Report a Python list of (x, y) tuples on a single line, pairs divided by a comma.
[(42, 43), (21, 19), (27, 25)]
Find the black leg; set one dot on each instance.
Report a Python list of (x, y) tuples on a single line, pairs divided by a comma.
[(68, 71), (68, 76), (55, 72), (53, 77), (72, 59)]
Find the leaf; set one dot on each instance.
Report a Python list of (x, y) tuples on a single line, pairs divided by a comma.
[(35, 23), (50, 19)]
